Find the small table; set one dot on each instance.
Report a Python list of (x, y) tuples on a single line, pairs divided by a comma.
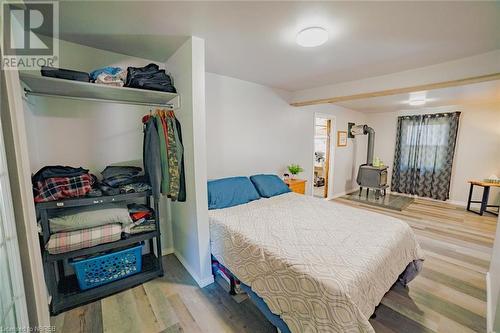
[(484, 201), (296, 185)]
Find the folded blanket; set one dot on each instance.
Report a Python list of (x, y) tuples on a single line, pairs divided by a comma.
[(79, 239), (90, 216)]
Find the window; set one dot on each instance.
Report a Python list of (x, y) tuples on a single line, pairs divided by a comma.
[(425, 145)]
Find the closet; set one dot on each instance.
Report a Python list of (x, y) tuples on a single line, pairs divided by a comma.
[(82, 124), (66, 292)]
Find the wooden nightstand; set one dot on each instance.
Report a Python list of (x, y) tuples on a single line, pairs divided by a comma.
[(296, 185)]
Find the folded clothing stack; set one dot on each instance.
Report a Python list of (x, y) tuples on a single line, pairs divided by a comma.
[(111, 76), (67, 74), (58, 182), (143, 218), (149, 77), (122, 179), (82, 227)]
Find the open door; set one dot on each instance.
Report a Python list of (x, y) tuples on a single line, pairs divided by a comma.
[(322, 148), (13, 313), (18, 213)]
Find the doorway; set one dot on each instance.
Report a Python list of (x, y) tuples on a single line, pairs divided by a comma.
[(322, 152)]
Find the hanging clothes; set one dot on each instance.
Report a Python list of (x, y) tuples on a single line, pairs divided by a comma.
[(173, 162), (162, 134), (180, 151), (165, 171), (151, 156)]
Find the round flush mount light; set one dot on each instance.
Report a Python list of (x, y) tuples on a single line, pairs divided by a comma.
[(417, 98), (416, 102), (311, 37)]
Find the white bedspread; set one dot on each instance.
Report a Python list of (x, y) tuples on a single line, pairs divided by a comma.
[(321, 266)]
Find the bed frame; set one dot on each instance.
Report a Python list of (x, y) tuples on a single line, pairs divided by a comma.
[(408, 274), (256, 299)]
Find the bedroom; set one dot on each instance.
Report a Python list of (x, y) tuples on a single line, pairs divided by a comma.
[(246, 96)]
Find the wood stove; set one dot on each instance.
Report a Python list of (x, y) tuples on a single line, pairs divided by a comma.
[(369, 176)]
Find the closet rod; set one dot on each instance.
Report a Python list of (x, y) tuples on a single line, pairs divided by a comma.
[(28, 92)]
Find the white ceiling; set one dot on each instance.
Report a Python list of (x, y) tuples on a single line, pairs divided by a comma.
[(255, 41), (485, 92)]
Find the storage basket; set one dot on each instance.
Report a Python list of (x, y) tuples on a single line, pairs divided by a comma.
[(109, 267)]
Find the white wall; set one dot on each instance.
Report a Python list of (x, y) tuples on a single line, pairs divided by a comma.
[(346, 159), (477, 153), (252, 129), (85, 133), (190, 219)]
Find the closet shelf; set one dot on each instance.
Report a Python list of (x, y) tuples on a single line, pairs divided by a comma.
[(38, 85), (87, 201), (70, 296), (103, 247)]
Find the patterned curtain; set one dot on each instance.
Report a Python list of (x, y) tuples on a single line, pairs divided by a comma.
[(425, 145)]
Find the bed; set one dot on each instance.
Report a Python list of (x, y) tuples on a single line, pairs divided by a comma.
[(319, 265)]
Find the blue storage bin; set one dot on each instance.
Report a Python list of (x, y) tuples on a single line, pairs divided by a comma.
[(110, 267)]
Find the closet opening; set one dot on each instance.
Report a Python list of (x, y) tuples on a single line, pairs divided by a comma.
[(322, 155)]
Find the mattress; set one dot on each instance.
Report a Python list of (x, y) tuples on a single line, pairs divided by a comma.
[(321, 266), (62, 242)]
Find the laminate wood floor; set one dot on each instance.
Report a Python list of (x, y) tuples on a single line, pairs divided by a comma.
[(448, 296)]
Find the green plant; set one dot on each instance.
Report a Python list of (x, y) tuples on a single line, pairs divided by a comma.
[(295, 169)]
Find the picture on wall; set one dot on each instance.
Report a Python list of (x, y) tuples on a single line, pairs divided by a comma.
[(341, 138)]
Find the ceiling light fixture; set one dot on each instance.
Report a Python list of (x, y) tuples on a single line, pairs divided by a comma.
[(417, 98), (416, 102), (311, 37)]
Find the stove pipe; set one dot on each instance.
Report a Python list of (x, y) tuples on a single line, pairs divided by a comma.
[(371, 143), (363, 130)]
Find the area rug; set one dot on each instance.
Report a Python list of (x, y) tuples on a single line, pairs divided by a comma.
[(389, 201)]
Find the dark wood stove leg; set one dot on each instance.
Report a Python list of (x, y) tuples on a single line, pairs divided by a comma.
[(360, 191)]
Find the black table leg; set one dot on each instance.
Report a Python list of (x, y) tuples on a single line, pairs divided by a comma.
[(470, 196), (484, 201)]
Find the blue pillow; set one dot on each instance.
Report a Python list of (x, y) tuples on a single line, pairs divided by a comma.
[(269, 185), (228, 192)]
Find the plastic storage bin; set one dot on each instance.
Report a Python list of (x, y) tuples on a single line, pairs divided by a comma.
[(109, 267)]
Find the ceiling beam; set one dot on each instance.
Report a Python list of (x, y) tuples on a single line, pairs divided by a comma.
[(397, 91)]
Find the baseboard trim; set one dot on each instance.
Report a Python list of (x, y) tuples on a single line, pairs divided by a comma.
[(489, 310), (201, 282), (452, 202), (341, 194), (167, 251), (457, 203)]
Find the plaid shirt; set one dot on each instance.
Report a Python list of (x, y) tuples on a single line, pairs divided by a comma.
[(58, 188)]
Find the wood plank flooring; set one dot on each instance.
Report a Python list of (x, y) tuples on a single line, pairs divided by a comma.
[(448, 296)]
